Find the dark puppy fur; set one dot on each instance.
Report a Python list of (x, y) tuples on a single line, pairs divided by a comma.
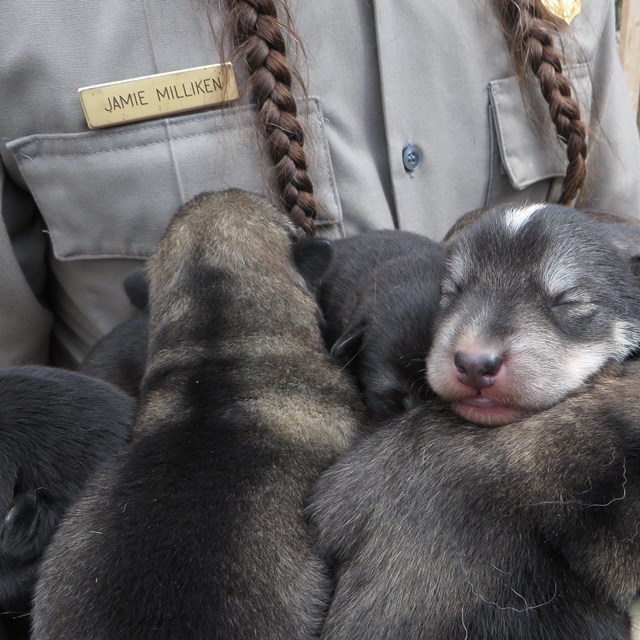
[(56, 428), (535, 300), (378, 293), (119, 357), (202, 533), (439, 529), (624, 233)]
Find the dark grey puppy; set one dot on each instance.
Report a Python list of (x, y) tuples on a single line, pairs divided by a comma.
[(439, 529), (119, 357), (378, 293), (535, 300), (56, 429), (198, 531)]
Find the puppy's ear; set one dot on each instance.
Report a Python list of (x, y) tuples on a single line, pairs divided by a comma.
[(312, 257), (462, 222), (623, 232), (137, 288), (626, 238), (348, 345), (27, 526)]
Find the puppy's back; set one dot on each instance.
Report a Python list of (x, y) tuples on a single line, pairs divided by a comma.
[(57, 428), (437, 528), (201, 524)]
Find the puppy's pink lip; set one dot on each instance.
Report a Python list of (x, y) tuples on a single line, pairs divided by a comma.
[(486, 412), (480, 401)]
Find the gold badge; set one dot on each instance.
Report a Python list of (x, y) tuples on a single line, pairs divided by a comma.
[(157, 96), (566, 10)]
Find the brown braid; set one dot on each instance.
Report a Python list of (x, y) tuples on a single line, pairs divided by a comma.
[(528, 26), (260, 43)]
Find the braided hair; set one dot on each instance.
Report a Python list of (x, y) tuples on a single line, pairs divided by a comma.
[(259, 38), (528, 28)]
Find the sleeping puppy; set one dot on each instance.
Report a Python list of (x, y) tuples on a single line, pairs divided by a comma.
[(535, 300), (57, 428), (378, 293), (198, 530), (438, 528), (119, 357)]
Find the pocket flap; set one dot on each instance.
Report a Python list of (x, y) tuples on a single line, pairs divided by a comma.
[(530, 149), (110, 193)]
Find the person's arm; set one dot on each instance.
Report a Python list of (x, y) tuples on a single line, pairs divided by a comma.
[(25, 323), (613, 177)]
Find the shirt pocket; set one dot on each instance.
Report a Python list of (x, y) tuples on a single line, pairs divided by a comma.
[(529, 148), (110, 193)]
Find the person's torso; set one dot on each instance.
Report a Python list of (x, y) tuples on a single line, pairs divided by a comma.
[(434, 75)]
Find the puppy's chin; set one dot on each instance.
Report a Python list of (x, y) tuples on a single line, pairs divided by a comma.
[(488, 414)]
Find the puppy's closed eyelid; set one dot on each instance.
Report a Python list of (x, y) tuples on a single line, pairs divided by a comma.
[(573, 296)]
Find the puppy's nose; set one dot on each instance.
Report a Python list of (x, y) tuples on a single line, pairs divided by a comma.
[(477, 369)]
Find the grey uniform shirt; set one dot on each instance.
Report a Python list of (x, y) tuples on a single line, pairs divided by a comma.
[(81, 207)]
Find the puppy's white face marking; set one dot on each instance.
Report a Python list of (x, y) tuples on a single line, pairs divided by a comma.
[(515, 218), (581, 362)]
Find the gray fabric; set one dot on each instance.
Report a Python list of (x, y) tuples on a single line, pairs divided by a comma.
[(154, 166), (531, 155), (381, 74)]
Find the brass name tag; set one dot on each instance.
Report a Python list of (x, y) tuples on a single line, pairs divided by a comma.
[(163, 94), (567, 10)]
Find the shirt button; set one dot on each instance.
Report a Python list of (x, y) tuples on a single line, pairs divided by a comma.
[(411, 157)]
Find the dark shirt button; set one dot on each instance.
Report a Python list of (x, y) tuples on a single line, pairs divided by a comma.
[(411, 157)]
